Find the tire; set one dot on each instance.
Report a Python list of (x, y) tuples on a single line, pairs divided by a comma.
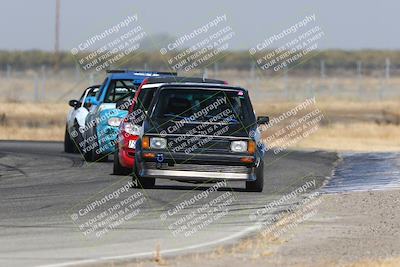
[(145, 183), (118, 169), (258, 184), (69, 146), (79, 140), (91, 155)]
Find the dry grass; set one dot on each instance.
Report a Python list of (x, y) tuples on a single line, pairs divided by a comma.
[(29, 121), (337, 111), (376, 263), (354, 137), (349, 126), (55, 133), (33, 114)]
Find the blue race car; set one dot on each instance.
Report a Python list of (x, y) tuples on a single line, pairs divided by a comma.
[(109, 108)]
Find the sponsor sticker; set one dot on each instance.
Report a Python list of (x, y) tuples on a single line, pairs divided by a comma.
[(132, 143)]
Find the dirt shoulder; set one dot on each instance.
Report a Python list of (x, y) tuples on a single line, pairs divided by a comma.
[(347, 228), (351, 229)]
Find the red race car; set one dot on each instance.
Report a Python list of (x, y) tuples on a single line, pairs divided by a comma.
[(124, 155)]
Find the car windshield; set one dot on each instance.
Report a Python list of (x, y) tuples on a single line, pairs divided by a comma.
[(120, 90), (91, 91), (144, 98), (201, 105)]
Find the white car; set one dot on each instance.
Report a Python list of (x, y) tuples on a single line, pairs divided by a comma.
[(76, 119)]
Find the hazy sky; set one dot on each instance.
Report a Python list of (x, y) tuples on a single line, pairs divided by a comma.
[(347, 24)]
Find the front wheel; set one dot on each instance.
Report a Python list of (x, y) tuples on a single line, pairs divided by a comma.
[(68, 144), (258, 184), (141, 182), (118, 169), (91, 145)]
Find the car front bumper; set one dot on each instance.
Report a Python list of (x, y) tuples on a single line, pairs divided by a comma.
[(126, 149), (127, 158), (107, 136), (209, 168), (196, 175)]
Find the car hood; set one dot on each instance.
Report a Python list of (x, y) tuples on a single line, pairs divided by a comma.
[(108, 112), (105, 106)]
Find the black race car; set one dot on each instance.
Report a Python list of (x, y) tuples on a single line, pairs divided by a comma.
[(200, 132)]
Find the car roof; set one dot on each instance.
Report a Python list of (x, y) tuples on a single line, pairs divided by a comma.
[(159, 81), (180, 79), (136, 75), (203, 86)]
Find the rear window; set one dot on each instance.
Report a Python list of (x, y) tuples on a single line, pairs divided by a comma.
[(195, 105)]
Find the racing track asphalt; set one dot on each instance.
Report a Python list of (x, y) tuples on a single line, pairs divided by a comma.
[(43, 192)]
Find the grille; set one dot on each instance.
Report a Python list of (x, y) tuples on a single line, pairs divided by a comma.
[(199, 167), (198, 144)]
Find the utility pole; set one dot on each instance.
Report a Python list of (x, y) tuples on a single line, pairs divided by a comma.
[(57, 38), (359, 78), (323, 69), (387, 68)]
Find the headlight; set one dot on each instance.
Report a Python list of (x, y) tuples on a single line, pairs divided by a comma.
[(158, 142), (131, 128), (114, 121), (239, 146)]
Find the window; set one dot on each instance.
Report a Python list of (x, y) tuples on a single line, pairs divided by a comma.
[(144, 99), (93, 92), (202, 105), (120, 90)]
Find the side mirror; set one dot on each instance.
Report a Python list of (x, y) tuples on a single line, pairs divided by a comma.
[(123, 105), (262, 120), (73, 103)]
